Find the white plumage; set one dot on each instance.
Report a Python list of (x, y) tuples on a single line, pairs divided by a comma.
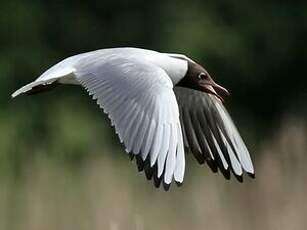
[(135, 88)]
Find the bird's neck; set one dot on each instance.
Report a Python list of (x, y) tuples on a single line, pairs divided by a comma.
[(174, 67)]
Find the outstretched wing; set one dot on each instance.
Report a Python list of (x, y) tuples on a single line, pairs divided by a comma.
[(210, 134), (139, 100)]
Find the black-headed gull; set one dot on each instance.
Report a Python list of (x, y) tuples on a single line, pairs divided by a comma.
[(158, 103)]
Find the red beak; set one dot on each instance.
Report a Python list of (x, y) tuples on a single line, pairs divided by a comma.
[(215, 89)]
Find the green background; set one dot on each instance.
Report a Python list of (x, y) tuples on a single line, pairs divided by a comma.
[(61, 165)]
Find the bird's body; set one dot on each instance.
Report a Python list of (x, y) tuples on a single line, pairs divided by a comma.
[(158, 103)]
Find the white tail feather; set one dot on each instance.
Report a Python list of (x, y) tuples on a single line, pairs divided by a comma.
[(64, 76), (29, 87)]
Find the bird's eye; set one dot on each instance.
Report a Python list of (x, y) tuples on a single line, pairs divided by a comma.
[(202, 76)]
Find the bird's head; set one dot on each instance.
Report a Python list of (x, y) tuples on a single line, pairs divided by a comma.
[(199, 79)]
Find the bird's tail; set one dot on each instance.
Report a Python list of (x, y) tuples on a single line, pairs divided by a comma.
[(57, 74), (36, 87)]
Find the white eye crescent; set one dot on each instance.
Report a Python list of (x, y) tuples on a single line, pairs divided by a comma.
[(202, 76)]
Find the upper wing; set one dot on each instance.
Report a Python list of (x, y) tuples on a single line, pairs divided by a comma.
[(210, 134), (140, 102)]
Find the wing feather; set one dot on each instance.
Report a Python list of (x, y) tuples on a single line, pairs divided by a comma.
[(171, 156), (148, 140), (141, 133), (157, 144), (210, 134), (180, 160), (139, 100), (164, 149)]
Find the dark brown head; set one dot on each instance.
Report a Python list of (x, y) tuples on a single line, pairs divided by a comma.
[(199, 79)]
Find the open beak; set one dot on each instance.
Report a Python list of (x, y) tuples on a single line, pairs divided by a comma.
[(215, 89)]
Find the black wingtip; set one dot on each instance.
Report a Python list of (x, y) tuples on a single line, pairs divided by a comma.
[(212, 165), (131, 156), (226, 173), (179, 184), (198, 156), (149, 172), (157, 181), (251, 175), (139, 163), (166, 186), (239, 178)]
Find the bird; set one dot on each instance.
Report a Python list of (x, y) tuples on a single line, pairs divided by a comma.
[(161, 106)]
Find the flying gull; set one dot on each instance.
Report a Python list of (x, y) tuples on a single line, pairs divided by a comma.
[(160, 104)]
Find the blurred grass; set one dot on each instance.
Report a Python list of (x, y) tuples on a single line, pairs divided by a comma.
[(105, 192), (61, 166)]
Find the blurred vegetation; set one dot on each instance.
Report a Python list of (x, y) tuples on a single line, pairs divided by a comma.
[(61, 166)]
